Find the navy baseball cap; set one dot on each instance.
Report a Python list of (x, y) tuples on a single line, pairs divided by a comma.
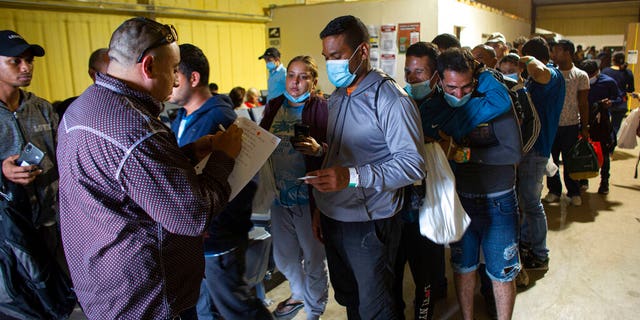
[(13, 45), (270, 52)]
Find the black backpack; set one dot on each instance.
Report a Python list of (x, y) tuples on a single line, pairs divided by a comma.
[(525, 111)]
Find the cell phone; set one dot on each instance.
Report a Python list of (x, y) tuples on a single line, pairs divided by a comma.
[(301, 130), (30, 155)]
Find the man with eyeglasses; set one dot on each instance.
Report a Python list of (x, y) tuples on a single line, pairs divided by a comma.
[(132, 208), (479, 130)]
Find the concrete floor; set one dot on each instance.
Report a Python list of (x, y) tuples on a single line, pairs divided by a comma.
[(594, 256), (593, 271)]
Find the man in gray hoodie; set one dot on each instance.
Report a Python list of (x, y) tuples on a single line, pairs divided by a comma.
[(28, 190), (359, 188)]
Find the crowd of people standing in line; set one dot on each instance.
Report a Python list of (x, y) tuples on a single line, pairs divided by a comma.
[(145, 237)]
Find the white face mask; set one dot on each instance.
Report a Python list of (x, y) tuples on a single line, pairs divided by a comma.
[(593, 80)]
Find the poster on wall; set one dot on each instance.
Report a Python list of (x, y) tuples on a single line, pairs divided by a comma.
[(374, 42), (274, 37), (388, 36), (408, 34), (632, 56), (388, 63), (388, 48)]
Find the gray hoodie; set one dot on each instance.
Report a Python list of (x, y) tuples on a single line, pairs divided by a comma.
[(383, 140), (34, 121)]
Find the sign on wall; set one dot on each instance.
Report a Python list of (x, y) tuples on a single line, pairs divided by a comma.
[(408, 34), (388, 49), (274, 37)]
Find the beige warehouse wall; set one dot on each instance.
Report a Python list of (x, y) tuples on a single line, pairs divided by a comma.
[(300, 26), (478, 21)]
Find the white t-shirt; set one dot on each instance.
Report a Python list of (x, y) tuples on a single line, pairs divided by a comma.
[(575, 80)]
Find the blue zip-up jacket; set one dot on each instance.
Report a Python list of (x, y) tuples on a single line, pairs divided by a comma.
[(230, 227), (218, 107), (382, 139)]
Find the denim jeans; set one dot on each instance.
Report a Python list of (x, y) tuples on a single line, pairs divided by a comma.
[(494, 227), (566, 137), (534, 225), (361, 258)]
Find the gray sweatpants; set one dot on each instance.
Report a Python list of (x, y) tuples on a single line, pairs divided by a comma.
[(300, 257)]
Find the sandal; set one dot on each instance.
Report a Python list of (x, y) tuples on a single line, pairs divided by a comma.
[(286, 307)]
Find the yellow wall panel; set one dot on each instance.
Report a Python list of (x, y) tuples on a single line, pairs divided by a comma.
[(69, 38), (588, 19), (232, 49)]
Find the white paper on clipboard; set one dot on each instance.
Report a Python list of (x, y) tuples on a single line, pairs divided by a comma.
[(257, 146)]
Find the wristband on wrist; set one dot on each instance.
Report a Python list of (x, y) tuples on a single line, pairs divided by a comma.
[(354, 178), (528, 61)]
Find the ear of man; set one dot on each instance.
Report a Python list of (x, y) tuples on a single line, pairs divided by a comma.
[(147, 66), (194, 79)]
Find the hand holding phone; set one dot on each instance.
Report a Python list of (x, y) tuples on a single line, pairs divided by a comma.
[(30, 155), (300, 132)]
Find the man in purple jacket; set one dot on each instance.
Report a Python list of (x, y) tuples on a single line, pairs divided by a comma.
[(132, 209)]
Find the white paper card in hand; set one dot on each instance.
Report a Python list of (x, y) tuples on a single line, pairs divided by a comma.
[(257, 146)]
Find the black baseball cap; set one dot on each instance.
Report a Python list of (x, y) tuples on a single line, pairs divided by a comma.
[(270, 52), (13, 45)]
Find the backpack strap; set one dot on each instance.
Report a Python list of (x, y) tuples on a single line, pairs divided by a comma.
[(385, 78)]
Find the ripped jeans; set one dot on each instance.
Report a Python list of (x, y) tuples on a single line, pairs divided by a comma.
[(494, 228)]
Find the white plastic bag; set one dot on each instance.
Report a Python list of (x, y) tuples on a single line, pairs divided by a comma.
[(442, 218), (627, 133), (551, 169)]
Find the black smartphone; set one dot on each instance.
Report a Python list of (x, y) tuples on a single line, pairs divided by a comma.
[(30, 155), (301, 130)]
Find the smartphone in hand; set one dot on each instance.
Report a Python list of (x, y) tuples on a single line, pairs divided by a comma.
[(30, 155), (300, 131)]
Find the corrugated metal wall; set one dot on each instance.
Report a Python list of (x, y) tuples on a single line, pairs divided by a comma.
[(69, 38)]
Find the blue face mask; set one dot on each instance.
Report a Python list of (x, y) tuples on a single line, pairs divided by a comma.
[(420, 90), (271, 65), (454, 102), (299, 99), (513, 76), (338, 71)]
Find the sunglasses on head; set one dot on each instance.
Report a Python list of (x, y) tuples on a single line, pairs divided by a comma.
[(168, 32)]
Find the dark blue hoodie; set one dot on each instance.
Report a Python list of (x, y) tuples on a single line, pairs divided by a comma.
[(217, 110), (229, 228)]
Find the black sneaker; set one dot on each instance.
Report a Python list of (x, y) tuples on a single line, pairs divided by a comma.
[(603, 189), (535, 263)]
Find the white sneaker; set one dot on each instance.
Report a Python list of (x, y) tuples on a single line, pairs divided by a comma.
[(550, 198), (576, 201)]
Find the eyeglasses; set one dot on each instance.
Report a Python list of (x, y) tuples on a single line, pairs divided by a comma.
[(169, 35)]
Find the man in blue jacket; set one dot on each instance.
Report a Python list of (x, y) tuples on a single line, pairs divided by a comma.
[(603, 95), (475, 111), (224, 292), (546, 87)]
